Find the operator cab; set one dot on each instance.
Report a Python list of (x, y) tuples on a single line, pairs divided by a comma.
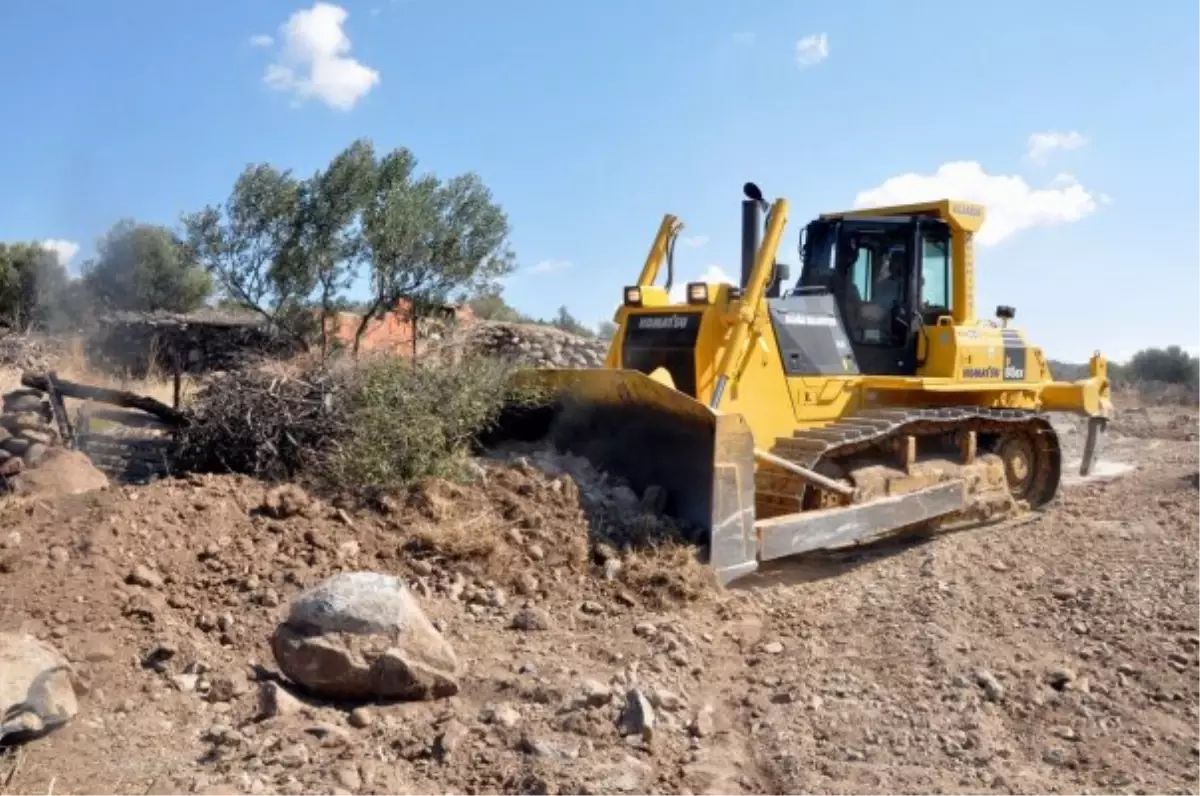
[(889, 277)]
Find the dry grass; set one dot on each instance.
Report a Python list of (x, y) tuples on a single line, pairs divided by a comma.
[(499, 531), (666, 574)]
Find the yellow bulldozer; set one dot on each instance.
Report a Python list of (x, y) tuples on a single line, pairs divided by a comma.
[(865, 399)]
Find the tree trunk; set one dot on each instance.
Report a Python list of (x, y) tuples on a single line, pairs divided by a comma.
[(362, 324), (414, 315)]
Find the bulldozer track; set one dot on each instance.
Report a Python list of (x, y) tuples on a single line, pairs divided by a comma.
[(875, 429)]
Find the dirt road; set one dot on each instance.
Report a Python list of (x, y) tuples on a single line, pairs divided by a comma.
[(1054, 655)]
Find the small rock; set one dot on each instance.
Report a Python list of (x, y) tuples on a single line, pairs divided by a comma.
[(275, 700), (1127, 669), (638, 716), (773, 647), (1060, 678), (330, 735), (530, 618), (294, 756), (59, 554), (98, 652), (596, 694), (1054, 756), (144, 576), (158, 655), (185, 682), (361, 718), (645, 629), (527, 584), (348, 777), (702, 725), (1066, 733), (999, 566), (449, 739), (590, 607), (504, 715), (990, 685), (548, 750), (667, 700)]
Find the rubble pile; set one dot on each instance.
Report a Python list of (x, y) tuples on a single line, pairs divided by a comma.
[(537, 346), (29, 352)]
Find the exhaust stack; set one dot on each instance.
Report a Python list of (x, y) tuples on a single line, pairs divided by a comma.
[(752, 211)]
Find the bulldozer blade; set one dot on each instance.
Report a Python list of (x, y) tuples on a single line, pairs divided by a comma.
[(1093, 443), (792, 534), (633, 427)]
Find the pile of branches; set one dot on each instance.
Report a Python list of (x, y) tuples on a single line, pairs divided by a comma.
[(269, 425)]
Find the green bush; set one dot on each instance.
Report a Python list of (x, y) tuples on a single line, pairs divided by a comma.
[(405, 422)]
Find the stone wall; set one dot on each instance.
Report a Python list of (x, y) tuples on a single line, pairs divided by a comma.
[(137, 343), (26, 431)]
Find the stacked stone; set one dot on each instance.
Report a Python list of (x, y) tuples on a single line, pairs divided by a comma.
[(29, 352), (26, 430), (539, 346)]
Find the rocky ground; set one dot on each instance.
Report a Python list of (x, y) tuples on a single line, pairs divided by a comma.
[(1054, 654)]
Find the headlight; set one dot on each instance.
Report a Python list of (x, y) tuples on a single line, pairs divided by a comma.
[(697, 293), (633, 296)]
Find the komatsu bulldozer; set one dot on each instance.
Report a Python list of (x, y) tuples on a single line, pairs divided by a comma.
[(864, 399)]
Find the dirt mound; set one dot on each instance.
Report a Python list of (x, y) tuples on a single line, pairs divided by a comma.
[(165, 597), (61, 472)]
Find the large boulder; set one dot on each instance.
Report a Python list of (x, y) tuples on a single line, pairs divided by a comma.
[(361, 635), (36, 694)]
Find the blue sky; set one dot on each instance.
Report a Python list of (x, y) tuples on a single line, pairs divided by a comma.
[(1076, 122)]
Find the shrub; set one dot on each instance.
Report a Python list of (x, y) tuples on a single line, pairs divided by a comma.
[(352, 427), (405, 422)]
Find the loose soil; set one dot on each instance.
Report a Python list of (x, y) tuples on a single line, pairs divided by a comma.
[(1053, 654)]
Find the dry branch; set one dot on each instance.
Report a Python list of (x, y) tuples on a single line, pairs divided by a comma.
[(127, 400), (263, 424)]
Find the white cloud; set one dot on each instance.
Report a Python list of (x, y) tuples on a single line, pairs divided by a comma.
[(1011, 204), (812, 50), (713, 273), (1042, 145), (744, 37), (695, 241), (314, 60), (261, 40), (65, 250), (549, 266)]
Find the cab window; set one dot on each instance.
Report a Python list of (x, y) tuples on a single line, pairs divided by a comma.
[(860, 274), (935, 273)]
